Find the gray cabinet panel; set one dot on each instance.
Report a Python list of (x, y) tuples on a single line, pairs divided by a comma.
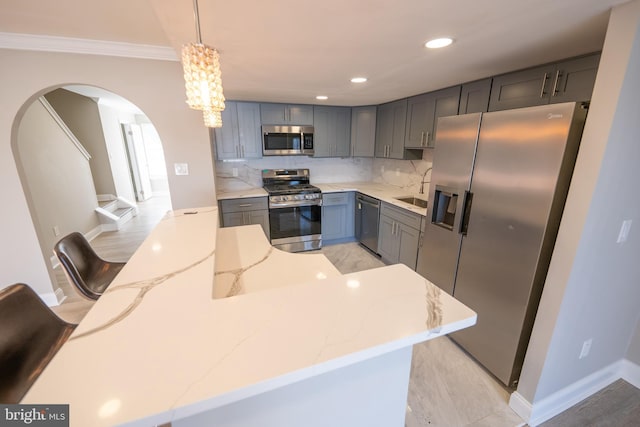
[(521, 89), (423, 112), (399, 235), (245, 211), (332, 131), (280, 114), (337, 216), (239, 137), (363, 131), (574, 79), (474, 97), (390, 129), (570, 80)]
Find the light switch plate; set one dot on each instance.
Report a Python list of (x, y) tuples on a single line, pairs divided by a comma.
[(181, 168), (624, 231)]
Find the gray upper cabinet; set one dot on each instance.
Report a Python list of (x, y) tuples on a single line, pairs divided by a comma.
[(239, 137), (423, 112), (331, 131), (574, 79), (570, 80), (363, 131), (286, 114), (390, 127), (474, 97)]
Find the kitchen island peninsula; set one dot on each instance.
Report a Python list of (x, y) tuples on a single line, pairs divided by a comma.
[(189, 334)]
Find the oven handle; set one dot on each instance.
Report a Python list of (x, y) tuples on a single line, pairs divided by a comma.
[(297, 203)]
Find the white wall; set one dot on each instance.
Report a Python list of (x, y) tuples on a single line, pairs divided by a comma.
[(633, 352), (114, 141), (592, 288), (154, 86)]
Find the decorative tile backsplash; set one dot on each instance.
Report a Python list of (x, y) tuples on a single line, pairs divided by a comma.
[(405, 174)]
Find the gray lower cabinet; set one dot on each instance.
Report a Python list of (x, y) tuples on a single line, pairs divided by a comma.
[(239, 137), (570, 80), (363, 131), (423, 112), (337, 216), (286, 114), (331, 131), (474, 97), (399, 235), (245, 211)]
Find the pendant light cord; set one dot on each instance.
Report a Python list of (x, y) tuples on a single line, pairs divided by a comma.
[(196, 15)]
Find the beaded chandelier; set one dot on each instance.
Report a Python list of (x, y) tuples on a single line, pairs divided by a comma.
[(203, 78)]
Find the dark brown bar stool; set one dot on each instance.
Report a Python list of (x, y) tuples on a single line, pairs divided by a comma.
[(84, 268), (30, 335)]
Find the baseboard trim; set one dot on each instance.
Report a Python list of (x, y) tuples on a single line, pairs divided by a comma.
[(547, 408), (630, 372), (92, 234)]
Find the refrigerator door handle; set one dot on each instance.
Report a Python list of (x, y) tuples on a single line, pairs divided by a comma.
[(466, 212)]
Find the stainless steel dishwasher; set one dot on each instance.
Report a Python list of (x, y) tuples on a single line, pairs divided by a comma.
[(367, 218)]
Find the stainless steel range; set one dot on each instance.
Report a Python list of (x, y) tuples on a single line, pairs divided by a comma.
[(295, 209)]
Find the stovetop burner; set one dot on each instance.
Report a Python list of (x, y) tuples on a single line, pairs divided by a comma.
[(281, 189)]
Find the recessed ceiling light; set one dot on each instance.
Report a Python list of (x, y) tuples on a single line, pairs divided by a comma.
[(322, 97), (358, 80), (438, 43)]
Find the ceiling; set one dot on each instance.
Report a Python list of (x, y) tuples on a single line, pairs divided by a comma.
[(293, 50)]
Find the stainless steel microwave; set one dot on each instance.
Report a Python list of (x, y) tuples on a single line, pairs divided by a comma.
[(287, 140)]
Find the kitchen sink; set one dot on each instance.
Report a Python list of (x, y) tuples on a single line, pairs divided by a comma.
[(413, 201)]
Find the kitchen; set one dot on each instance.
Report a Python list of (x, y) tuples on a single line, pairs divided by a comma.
[(390, 171)]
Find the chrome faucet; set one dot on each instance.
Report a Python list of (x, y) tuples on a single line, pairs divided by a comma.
[(422, 182)]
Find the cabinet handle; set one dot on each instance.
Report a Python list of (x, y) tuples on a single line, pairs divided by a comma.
[(246, 205), (237, 152), (427, 139), (544, 82), (555, 84), (422, 139), (242, 151)]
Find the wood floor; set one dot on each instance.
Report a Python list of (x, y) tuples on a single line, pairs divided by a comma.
[(447, 388)]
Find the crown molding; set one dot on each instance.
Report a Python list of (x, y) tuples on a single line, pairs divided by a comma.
[(85, 46)]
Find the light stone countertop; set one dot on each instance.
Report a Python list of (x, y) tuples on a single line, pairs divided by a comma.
[(157, 347), (384, 192)]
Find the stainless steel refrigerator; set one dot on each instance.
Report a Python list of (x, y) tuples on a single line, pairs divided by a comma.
[(498, 187)]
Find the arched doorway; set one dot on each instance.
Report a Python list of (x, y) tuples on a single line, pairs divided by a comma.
[(76, 159)]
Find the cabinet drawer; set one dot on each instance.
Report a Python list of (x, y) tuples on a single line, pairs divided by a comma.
[(332, 199), (243, 205), (401, 215)]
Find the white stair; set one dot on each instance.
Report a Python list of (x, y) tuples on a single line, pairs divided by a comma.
[(116, 213)]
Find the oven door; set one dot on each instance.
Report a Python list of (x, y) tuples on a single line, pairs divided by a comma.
[(296, 228)]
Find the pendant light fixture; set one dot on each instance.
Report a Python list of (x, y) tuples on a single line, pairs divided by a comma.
[(202, 77)]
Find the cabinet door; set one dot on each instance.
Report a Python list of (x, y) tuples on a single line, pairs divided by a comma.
[(445, 102), (300, 114), (232, 219), (418, 125), (249, 135), (521, 89), (574, 79), (342, 132), (399, 109), (226, 137), (273, 114), (363, 131), (322, 130), (387, 245), (384, 129), (474, 97), (333, 222), (258, 217), (408, 240)]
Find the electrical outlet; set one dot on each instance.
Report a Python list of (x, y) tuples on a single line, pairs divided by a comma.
[(586, 347), (397, 171), (181, 168), (56, 230), (234, 171)]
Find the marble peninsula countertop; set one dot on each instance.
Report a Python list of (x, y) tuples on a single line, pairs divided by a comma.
[(158, 347), (384, 192)]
